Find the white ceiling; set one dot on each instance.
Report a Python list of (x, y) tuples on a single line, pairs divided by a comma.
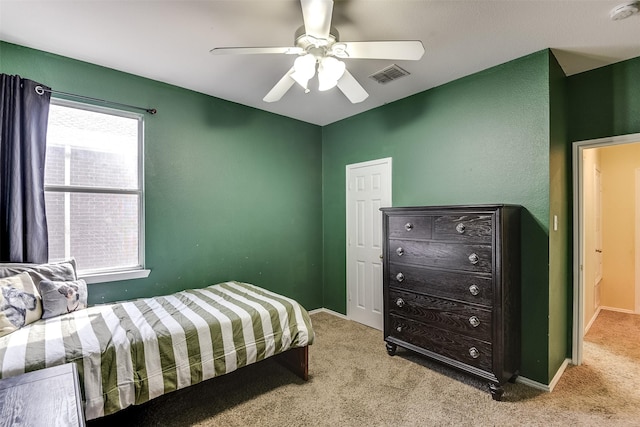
[(170, 41)]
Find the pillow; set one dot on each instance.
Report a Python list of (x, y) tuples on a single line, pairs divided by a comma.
[(62, 297), (62, 270), (20, 303)]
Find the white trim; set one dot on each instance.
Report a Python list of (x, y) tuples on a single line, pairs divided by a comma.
[(331, 312), (578, 225), (533, 384), (558, 374), (597, 313), (540, 386), (115, 276), (519, 379), (593, 319), (637, 245), (67, 188), (597, 187), (619, 310)]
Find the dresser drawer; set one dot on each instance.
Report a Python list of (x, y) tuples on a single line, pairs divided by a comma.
[(410, 227), (463, 228), (458, 347), (476, 258), (442, 313), (461, 286)]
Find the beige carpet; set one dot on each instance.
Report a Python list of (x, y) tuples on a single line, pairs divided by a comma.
[(355, 383)]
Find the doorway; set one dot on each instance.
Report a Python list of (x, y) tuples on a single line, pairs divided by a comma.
[(368, 190), (588, 249)]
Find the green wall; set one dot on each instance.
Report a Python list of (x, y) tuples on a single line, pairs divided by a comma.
[(560, 239), (480, 139), (236, 193), (232, 192), (605, 102)]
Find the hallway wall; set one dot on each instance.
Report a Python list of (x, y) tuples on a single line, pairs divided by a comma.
[(618, 165)]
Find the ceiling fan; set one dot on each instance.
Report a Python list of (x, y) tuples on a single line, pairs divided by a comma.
[(317, 45)]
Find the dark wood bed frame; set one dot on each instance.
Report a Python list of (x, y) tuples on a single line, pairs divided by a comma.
[(296, 360)]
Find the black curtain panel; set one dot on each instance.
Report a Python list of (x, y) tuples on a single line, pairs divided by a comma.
[(23, 130)]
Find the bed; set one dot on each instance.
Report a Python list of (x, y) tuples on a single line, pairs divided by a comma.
[(130, 352)]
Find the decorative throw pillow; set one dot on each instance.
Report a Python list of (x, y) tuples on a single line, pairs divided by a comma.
[(61, 270), (62, 297), (20, 303)]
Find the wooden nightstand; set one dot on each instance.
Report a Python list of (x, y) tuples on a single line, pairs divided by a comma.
[(47, 397)]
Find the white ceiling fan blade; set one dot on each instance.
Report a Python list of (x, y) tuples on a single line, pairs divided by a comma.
[(317, 17), (351, 88), (280, 88), (255, 50), (396, 50)]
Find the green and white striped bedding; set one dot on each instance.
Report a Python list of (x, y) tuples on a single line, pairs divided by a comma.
[(131, 352)]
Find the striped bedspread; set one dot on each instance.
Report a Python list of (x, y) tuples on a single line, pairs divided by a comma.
[(131, 352)]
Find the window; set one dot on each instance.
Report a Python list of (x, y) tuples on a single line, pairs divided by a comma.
[(94, 190)]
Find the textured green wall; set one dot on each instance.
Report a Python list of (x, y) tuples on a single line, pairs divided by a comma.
[(560, 240), (232, 193), (605, 102), (480, 139)]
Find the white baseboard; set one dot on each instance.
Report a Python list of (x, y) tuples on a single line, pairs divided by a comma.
[(558, 374), (326, 310), (533, 384), (544, 387), (593, 319), (520, 379), (619, 310), (604, 307)]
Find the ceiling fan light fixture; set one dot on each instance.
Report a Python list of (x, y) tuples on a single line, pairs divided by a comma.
[(319, 43), (304, 69), (330, 71), (624, 10)]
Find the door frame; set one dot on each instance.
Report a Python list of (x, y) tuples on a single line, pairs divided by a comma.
[(388, 161), (578, 234), (637, 242)]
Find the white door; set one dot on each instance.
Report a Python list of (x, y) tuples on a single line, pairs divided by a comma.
[(598, 236), (368, 190)]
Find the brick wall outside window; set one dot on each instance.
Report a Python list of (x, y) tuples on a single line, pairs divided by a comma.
[(103, 229)]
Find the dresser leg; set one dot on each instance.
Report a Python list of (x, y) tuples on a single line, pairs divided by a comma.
[(496, 391), (391, 349)]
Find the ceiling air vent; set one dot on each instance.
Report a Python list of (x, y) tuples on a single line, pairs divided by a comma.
[(392, 72)]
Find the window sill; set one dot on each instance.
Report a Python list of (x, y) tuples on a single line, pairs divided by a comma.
[(114, 276)]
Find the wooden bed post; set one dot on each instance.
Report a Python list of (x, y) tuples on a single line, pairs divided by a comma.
[(296, 360)]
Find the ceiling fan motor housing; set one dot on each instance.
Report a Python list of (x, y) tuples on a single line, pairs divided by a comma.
[(304, 41)]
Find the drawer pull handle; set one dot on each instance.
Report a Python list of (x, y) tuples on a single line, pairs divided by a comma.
[(474, 321), (400, 277), (460, 228), (473, 258), (400, 302), (399, 329), (474, 289), (400, 251), (408, 226), (473, 352)]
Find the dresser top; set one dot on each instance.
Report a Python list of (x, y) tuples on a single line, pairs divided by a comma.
[(466, 208)]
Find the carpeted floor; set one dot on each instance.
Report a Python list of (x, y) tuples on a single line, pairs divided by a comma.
[(355, 383)]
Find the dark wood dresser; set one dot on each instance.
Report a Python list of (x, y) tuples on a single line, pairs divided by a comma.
[(48, 397), (452, 287)]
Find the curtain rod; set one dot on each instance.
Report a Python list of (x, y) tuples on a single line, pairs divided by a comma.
[(40, 90)]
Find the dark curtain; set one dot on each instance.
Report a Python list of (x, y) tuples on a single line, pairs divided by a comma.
[(23, 130)]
